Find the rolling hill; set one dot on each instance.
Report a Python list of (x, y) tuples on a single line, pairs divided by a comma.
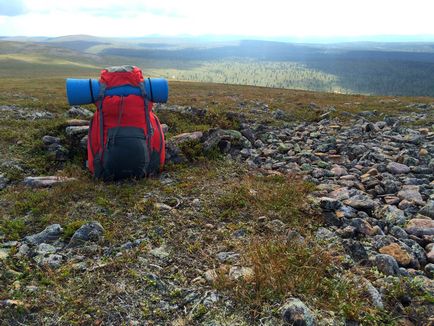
[(364, 67)]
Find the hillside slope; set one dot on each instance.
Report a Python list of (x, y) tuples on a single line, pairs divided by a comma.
[(277, 207), (405, 69)]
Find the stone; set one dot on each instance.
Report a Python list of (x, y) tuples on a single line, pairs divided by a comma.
[(50, 234), (375, 295), (164, 128), (340, 193), (160, 252), (4, 253), (362, 226), (391, 214), (428, 209), (398, 232), (360, 203), (356, 250), (295, 312), (430, 255), (3, 181), (237, 272), (411, 193), (162, 207), (397, 168), (386, 264), (347, 232), (49, 140), (77, 111), (329, 204), (391, 200), (73, 131), (46, 181), (219, 137), (89, 232), (279, 114), (185, 137), (77, 122), (83, 142), (429, 270), (324, 234), (339, 171), (228, 257), (53, 261), (423, 152), (57, 152), (45, 248), (396, 251), (420, 227), (23, 250), (210, 275)]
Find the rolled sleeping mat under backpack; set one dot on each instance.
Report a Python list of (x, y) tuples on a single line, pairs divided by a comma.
[(86, 91)]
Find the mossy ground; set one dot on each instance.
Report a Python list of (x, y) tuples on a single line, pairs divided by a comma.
[(117, 289)]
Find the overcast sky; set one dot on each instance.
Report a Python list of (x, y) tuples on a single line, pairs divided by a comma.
[(265, 18)]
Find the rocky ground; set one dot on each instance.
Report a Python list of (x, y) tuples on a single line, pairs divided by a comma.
[(269, 222)]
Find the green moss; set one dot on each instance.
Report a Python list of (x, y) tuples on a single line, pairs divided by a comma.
[(13, 229), (70, 228)]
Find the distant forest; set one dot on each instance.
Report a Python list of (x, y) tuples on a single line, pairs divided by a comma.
[(321, 68), (405, 69)]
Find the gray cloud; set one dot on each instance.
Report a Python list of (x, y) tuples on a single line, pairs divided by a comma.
[(12, 8)]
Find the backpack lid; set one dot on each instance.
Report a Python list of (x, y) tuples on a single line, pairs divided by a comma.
[(121, 75)]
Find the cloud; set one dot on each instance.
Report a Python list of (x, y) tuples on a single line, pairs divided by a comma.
[(240, 17)]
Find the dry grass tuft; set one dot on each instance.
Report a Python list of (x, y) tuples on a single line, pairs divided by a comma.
[(284, 268)]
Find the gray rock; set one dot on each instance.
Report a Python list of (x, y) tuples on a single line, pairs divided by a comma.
[(53, 261), (4, 253), (23, 250), (360, 203), (79, 112), (356, 250), (220, 138), (427, 210), (375, 295), (83, 142), (329, 204), (228, 256), (57, 152), (386, 264), (50, 234), (420, 227), (391, 214), (362, 226), (295, 312), (397, 168), (160, 252), (45, 248), (398, 232), (429, 270), (279, 114), (49, 140), (411, 193), (73, 131), (324, 234), (3, 181), (240, 272), (89, 232), (46, 181)]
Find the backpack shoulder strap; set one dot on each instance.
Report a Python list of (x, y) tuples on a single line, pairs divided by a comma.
[(147, 116)]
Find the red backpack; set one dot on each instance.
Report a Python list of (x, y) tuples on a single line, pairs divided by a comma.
[(125, 138)]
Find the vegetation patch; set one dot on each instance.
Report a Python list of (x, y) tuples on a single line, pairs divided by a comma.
[(284, 268)]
